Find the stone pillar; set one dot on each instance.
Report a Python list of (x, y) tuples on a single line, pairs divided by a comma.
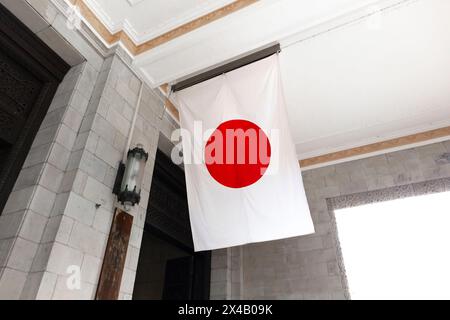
[(27, 218), (58, 218), (227, 274)]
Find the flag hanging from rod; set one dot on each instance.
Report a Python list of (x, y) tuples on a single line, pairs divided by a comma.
[(243, 178)]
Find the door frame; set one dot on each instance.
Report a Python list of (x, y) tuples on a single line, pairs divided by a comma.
[(171, 223), (21, 45), (202, 263)]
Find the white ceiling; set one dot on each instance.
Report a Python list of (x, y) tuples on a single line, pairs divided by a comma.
[(265, 22), (146, 19), (359, 84), (354, 71)]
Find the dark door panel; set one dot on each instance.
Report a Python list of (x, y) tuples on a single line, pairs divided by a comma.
[(168, 267), (179, 278), (30, 73)]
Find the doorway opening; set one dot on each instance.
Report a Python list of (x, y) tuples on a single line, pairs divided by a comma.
[(168, 267), (397, 250), (30, 73)]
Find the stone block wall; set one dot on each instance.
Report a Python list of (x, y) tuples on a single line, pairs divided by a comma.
[(28, 221), (310, 267), (60, 212)]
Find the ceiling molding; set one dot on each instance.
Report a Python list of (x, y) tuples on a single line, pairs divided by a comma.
[(104, 17), (141, 37), (173, 110), (96, 24), (195, 24), (376, 147), (112, 34), (180, 20)]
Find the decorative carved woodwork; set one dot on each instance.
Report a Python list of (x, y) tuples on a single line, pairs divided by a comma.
[(30, 73), (115, 255)]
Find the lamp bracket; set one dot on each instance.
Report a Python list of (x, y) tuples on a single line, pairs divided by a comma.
[(119, 178)]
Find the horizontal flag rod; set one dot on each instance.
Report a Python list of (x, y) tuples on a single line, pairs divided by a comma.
[(233, 65)]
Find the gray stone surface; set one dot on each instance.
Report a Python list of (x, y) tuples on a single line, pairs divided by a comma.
[(311, 267), (60, 211)]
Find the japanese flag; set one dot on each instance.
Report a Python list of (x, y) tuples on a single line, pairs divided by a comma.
[(243, 179)]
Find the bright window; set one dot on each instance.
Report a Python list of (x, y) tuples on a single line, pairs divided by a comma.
[(397, 249)]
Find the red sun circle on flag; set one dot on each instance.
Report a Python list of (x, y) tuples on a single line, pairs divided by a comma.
[(238, 153)]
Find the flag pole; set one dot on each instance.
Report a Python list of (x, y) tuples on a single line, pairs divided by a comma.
[(225, 68)]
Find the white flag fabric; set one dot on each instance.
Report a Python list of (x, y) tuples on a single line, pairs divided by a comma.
[(238, 198)]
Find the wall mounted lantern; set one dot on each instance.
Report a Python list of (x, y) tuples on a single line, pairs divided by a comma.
[(129, 177)]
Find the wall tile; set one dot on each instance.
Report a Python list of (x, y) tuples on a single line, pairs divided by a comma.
[(88, 240), (11, 283), (33, 226), (62, 257), (22, 255)]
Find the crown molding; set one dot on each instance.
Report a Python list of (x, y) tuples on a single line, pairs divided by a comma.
[(382, 147), (180, 20), (127, 35), (95, 40), (139, 38), (103, 16), (88, 33)]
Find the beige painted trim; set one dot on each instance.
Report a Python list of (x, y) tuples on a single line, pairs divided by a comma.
[(173, 110), (375, 147), (136, 49), (165, 88)]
